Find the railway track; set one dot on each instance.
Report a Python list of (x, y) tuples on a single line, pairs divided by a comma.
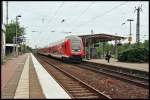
[(138, 81), (73, 85), (141, 75), (135, 80)]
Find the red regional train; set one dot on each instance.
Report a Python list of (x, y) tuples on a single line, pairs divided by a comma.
[(68, 49)]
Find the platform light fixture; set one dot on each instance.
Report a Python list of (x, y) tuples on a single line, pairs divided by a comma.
[(16, 34)]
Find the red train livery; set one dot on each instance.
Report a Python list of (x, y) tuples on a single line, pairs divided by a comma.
[(71, 48)]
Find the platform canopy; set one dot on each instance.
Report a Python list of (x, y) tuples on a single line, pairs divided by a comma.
[(95, 38)]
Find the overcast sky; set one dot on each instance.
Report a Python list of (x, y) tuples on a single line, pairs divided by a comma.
[(79, 18)]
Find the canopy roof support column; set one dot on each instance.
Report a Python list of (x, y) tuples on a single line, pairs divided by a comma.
[(115, 48), (103, 49)]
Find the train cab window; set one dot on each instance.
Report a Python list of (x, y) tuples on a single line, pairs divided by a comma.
[(75, 43)]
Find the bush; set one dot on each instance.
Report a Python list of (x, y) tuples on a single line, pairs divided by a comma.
[(134, 55)]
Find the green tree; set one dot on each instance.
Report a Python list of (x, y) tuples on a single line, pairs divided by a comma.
[(11, 31), (146, 44), (25, 48), (123, 47), (134, 55), (99, 51)]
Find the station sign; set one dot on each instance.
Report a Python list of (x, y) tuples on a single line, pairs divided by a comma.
[(129, 38)]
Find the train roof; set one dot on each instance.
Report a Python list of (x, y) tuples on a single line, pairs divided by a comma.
[(74, 36), (67, 37), (62, 40)]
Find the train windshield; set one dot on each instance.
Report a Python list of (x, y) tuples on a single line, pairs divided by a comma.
[(75, 43)]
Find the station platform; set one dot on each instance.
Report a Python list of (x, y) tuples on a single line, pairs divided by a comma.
[(23, 77), (115, 62)]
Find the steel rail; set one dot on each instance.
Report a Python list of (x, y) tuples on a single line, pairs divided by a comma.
[(110, 70), (100, 94), (116, 75)]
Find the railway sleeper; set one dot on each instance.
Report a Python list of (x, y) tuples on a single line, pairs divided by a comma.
[(83, 94), (76, 86), (65, 79), (80, 92), (70, 82), (76, 91), (87, 97)]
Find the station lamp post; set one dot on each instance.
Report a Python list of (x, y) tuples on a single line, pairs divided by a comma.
[(16, 34)]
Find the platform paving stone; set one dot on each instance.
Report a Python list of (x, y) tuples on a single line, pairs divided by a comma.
[(115, 62), (9, 68), (22, 90), (34, 85), (9, 90)]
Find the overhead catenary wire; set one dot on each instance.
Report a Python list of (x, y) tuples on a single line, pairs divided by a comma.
[(101, 15), (84, 11), (57, 10), (49, 22)]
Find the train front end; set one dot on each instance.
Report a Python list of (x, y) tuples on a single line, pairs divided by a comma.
[(76, 48)]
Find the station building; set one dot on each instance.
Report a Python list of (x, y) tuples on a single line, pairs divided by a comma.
[(94, 41)]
